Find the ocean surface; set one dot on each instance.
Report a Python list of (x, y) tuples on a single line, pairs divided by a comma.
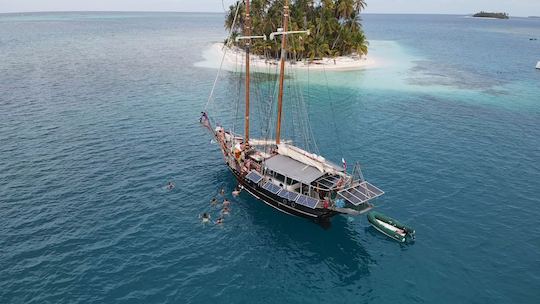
[(98, 111)]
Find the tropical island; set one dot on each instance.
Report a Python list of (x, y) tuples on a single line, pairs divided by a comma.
[(483, 14), (334, 25)]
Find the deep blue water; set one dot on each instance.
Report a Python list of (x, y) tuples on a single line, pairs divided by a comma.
[(99, 111)]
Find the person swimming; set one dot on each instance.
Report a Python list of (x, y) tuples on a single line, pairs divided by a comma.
[(222, 192), (225, 211), (214, 201), (170, 186), (205, 217), (236, 191), (219, 221)]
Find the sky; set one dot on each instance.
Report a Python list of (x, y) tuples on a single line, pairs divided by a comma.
[(513, 7)]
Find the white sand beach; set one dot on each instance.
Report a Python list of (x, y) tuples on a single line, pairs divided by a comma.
[(235, 57)]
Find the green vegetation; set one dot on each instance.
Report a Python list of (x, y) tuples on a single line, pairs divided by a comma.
[(334, 25), (483, 14)]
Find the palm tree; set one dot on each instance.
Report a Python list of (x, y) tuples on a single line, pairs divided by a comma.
[(334, 24), (345, 9), (318, 48), (353, 23), (229, 18), (360, 44), (359, 5)]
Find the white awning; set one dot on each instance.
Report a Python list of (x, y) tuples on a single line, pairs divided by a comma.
[(293, 169)]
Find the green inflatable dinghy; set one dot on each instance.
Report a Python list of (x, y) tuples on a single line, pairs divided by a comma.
[(390, 227)]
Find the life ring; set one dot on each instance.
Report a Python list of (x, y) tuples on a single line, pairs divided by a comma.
[(293, 204)]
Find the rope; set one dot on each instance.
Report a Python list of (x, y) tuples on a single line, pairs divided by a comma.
[(238, 87), (223, 57), (332, 104)]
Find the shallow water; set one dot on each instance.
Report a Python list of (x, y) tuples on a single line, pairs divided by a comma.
[(99, 111)]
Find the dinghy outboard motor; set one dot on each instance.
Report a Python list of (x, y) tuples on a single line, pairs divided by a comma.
[(390, 227)]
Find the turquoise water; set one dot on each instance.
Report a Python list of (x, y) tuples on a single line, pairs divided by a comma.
[(99, 111)]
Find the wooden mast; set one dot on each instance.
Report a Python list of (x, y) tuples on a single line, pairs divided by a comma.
[(247, 30), (282, 68)]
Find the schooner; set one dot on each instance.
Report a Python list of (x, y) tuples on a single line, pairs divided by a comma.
[(274, 170)]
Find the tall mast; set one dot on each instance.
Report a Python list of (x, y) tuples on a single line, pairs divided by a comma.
[(282, 68), (247, 30)]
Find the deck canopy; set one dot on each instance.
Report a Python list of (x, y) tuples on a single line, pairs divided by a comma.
[(293, 169)]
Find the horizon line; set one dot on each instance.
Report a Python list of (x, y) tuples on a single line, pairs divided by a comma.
[(218, 12)]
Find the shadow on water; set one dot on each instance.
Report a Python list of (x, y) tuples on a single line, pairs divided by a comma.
[(337, 249)]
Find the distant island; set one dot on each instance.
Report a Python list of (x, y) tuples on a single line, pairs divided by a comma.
[(335, 27), (483, 14)]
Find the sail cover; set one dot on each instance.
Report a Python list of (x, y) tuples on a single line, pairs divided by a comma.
[(293, 169)]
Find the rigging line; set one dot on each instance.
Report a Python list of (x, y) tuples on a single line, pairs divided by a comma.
[(306, 108), (225, 49), (302, 118), (265, 102), (259, 92), (309, 129), (295, 105), (340, 146), (238, 89), (291, 103), (309, 137)]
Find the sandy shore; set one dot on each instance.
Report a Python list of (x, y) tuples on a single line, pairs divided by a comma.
[(235, 57)]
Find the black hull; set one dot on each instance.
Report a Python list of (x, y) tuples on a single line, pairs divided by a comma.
[(319, 216)]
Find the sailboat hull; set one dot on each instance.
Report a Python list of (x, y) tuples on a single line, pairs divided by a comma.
[(319, 216)]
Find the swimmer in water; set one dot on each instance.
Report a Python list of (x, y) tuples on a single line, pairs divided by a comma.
[(170, 186), (205, 217), (214, 201), (226, 203), (219, 221), (225, 211), (236, 191), (222, 192)]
